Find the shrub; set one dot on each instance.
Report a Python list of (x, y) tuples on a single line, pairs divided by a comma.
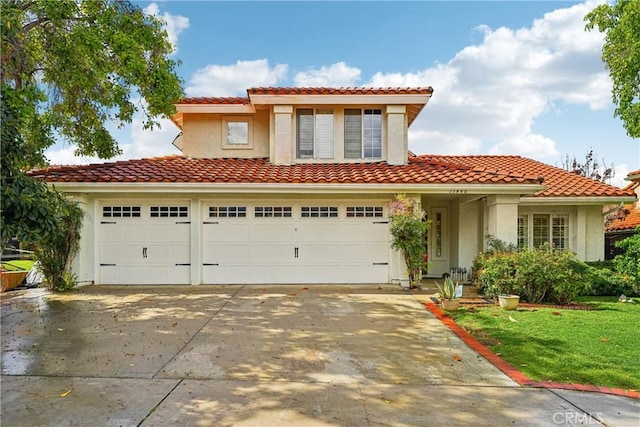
[(604, 281), (628, 263), (536, 275), (408, 228)]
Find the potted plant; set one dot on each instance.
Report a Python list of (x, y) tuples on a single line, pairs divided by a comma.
[(509, 302), (448, 299)]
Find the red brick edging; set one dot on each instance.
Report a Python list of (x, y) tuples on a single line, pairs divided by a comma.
[(512, 372)]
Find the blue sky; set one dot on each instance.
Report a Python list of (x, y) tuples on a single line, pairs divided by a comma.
[(516, 77)]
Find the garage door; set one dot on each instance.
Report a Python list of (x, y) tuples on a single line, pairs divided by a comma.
[(144, 243), (295, 243)]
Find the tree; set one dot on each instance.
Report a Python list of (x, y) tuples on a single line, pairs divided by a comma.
[(620, 22), (84, 64), (591, 167), (69, 69)]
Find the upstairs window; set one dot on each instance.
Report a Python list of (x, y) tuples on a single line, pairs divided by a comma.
[(314, 133), (362, 133), (236, 132)]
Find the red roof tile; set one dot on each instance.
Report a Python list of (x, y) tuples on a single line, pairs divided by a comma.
[(627, 219), (558, 182), (340, 91), (216, 100), (181, 169)]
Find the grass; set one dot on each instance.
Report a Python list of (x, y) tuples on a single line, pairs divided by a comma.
[(597, 347), (17, 265)]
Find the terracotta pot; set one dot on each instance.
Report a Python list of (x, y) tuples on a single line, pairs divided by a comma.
[(509, 302), (450, 304)]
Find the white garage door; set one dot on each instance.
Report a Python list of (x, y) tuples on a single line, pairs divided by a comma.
[(295, 243), (144, 243)]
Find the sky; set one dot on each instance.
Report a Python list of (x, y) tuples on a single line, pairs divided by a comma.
[(509, 77)]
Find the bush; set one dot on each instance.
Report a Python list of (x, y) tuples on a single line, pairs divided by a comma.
[(628, 263), (536, 275), (605, 281)]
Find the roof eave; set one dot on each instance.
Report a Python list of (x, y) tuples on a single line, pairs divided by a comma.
[(575, 200)]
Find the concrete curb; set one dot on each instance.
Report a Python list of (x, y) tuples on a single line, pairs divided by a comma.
[(512, 372)]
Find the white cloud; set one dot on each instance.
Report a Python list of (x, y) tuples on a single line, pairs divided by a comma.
[(535, 146), (335, 75), (439, 143), (620, 173), (174, 24), (233, 80), (495, 90)]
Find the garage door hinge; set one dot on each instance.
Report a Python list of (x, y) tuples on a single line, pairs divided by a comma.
[(209, 264), (107, 265), (107, 222), (381, 222), (210, 222), (183, 264), (183, 222), (380, 263)]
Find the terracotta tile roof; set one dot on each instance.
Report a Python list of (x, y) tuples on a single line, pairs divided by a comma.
[(216, 100), (424, 169), (628, 218), (558, 182), (309, 91), (340, 91), (419, 170)]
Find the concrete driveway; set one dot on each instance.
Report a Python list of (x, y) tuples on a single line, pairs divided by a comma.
[(260, 356)]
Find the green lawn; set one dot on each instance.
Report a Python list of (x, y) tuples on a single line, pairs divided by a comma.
[(598, 347)]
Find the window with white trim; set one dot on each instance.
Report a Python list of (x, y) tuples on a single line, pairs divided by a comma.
[(535, 230), (227, 211), (319, 211), (362, 133), (169, 211), (365, 212), (121, 211), (314, 133), (272, 212), (237, 132)]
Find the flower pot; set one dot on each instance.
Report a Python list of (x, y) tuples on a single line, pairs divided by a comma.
[(509, 302), (450, 304)]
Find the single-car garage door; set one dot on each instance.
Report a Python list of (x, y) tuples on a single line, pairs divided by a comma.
[(295, 243), (144, 243)]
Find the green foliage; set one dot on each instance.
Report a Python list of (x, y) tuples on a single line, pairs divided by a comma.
[(31, 211), (620, 22), (536, 275), (448, 289), (408, 229), (81, 64), (628, 263), (494, 245), (604, 281)]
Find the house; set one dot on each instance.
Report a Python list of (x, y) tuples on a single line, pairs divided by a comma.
[(293, 185), (624, 220)]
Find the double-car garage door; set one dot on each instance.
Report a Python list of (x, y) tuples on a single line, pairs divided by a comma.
[(284, 242)]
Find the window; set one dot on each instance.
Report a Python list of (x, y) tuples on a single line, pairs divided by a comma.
[(537, 229), (364, 212), (314, 133), (236, 132), (272, 212), (523, 232), (319, 212), (227, 212), (121, 211), (362, 133), (169, 211)]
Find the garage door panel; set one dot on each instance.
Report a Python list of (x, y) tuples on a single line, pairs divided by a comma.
[(226, 254), (226, 232), (266, 232)]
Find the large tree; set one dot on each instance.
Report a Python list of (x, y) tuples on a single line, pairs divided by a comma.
[(84, 64), (620, 22), (70, 70)]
